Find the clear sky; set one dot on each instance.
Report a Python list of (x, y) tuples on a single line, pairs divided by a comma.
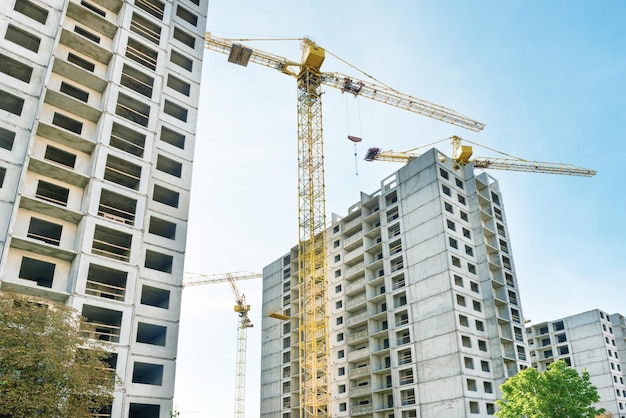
[(547, 78)]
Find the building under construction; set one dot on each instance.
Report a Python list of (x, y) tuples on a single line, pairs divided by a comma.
[(98, 110), (425, 318), (593, 341)]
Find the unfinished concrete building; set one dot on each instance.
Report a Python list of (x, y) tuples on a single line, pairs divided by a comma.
[(424, 309), (98, 110), (592, 341)]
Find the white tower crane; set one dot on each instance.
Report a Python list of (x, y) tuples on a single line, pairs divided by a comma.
[(242, 309)]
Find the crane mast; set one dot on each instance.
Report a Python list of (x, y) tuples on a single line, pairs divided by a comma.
[(313, 336), (313, 315), (242, 340)]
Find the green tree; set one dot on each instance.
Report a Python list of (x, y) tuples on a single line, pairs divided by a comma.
[(47, 367), (559, 392)]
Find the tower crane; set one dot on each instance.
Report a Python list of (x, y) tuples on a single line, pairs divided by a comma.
[(313, 340), (242, 309), (461, 156)]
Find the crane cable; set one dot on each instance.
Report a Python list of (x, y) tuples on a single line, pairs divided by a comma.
[(495, 150)]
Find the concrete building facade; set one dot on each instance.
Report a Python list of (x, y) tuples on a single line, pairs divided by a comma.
[(98, 110), (592, 341), (424, 310)]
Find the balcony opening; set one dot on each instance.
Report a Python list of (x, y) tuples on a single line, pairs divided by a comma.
[(28, 8), (60, 156), (15, 69), (153, 296), (141, 54), (145, 28), (179, 85), (173, 138), (111, 243), (148, 373), (11, 103), (45, 231), (162, 228), (121, 172), (165, 196), (175, 110), (127, 140), (75, 92), (155, 7), (7, 139), (81, 62), (22, 38), (169, 166), (159, 261), (404, 357), (117, 207), (186, 15), (137, 81), (185, 38), (68, 123), (181, 61), (151, 334), (132, 110), (144, 410), (52, 193), (103, 324), (406, 376), (107, 283), (38, 271)]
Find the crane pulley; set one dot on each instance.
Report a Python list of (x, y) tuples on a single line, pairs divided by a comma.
[(461, 156), (313, 332)]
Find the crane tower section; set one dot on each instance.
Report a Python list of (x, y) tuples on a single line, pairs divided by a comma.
[(314, 346)]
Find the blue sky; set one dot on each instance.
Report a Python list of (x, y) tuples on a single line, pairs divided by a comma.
[(547, 78)]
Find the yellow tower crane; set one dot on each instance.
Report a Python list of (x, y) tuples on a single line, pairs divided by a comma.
[(313, 337), (242, 309), (461, 156)]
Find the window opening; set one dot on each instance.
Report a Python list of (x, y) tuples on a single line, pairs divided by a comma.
[(145, 28), (60, 156), (85, 33), (52, 193), (11, 103), (15, 69), (22, 38), (75, 92), (137, 81), (127, 140), (173, 138), (179, 85), (81, 62), (7, 138), (31, 10), (45, 231), (38, 271)]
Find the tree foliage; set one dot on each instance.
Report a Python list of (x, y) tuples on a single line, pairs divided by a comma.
[(47, 367), (559, 392)]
